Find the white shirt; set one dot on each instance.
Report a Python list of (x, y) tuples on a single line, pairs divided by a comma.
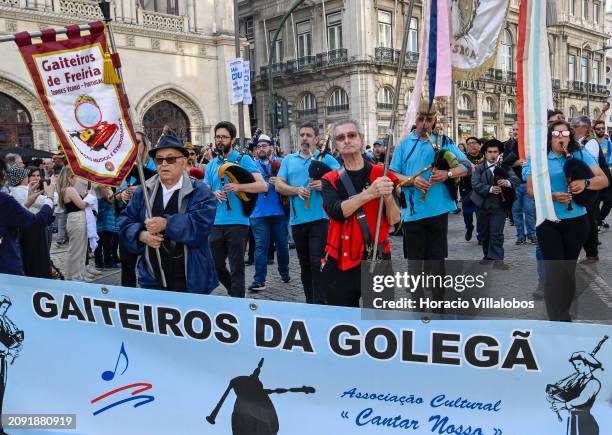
[(167, 192)]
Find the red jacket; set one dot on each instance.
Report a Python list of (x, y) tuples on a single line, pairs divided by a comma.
[(344, 238)]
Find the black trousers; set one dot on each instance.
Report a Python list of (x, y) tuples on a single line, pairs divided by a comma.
[(561, 243), (128, 266), (590, 244), (606, 207), (342, 288), (492, 221), (229, 242), (106, 252), (309, 241), (426, 247)]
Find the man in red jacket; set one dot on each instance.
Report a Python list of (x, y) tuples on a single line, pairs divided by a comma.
[(350, 197)]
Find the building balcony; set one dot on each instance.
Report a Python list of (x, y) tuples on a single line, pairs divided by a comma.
[(384, 106), (489, 115), (331, 58), (342, 108), (76, 8), (556, 84), (511, 76), (307, 112), (174, 23), (466, 113), (510, 117), (573, 85), (392, 56)]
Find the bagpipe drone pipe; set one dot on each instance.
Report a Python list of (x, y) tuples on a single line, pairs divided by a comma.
[(445, 160)]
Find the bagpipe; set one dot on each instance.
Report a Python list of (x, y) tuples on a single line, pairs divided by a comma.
[(577, 169), (559, 391), (317, 168), (508, 194), (444, 160), (12, 340), (238, 175)]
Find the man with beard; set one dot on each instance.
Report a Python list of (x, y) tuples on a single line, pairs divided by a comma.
[(378, 150), (308, 219), (231, 228), (474, 155), (268, 221), (425, 221), (599, 127)]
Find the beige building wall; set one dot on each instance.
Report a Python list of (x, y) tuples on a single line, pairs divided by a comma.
[(364, 65), (179, 57)]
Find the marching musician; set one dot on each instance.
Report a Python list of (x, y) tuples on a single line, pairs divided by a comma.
[(468, 208), (561, 241), (231, 229), (308, 219), (268, 221), (425, 224), (349, 240), (182, 216), (487, 195), (7, 354)]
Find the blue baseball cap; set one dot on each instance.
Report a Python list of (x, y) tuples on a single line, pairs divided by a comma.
[(379, 142)]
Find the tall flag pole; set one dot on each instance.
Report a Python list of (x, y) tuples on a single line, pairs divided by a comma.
[(534, 97)]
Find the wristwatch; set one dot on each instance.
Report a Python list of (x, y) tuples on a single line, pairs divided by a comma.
[(587, 183), (450, 174)]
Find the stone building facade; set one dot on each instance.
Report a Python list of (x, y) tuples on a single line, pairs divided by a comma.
[(174, 55), (338, 59)]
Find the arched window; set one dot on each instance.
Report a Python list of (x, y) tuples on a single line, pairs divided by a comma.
[(338, 102), (307, 105), (506, 55), (384, 100), (595, 114), (489, 105), (15, 124), (465, 103), (572, 112), (166, 113), (584, 111), (510, 108)]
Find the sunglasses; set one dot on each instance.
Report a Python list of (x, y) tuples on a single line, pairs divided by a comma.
[(170, 160), (350, 135), (557, 133), (600, 128), (428, 119)]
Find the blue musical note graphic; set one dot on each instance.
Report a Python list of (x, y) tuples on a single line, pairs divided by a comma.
[(109, 375)]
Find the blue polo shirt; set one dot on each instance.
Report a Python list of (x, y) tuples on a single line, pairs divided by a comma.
[(294, 169), (268, 204), (558, 181), (413, 155), (235, 215), (606, 147)]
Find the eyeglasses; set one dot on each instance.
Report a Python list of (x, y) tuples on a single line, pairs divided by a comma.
[(262, 145), (170, 160), (600, 128), (423, 118), (222, 137), (191, 153), (557, 133), (350, 135)]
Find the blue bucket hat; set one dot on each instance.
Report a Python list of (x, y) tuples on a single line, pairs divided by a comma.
[(169, 141)]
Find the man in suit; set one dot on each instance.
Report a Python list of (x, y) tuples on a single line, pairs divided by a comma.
[(488, 196)]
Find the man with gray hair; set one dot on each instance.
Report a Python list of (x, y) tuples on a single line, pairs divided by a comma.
[(308, 219), (13, 159)]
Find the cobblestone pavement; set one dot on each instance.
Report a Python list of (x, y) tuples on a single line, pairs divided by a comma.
[(519, 282)]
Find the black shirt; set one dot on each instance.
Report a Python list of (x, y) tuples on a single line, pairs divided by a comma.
[(332, 198)]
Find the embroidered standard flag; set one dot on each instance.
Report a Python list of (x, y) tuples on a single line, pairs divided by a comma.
[(476, 26), (534, 97), (89, 116)]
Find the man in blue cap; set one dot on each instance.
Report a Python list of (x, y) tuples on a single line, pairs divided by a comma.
[(378, 151), (183, 211)]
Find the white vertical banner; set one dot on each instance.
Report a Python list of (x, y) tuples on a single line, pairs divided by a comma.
[(247, 97), (237, 74)]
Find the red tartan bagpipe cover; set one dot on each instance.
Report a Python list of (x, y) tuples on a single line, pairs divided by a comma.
[(90, 117)]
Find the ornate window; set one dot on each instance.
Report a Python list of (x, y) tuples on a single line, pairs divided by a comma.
[(489, 105), (307, 105), (465, 103), (170, 7), (384, 100), (510, 108), (338, 102), (166, 113), (334, 31), (15, 124), (506, 51), (385, 38)]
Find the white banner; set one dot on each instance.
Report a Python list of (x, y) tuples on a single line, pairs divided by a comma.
[(476, 28), (248, 99), (237, 74)]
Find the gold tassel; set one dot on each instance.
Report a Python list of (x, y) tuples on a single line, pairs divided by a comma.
[(110, 75)]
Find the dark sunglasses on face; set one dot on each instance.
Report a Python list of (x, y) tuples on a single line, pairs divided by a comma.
[(557, 133), (350, 135), (600, 128), (422, 118), (170, 160)]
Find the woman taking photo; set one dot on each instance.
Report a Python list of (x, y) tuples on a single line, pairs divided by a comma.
[(76, 225), (562, 241), (15, 218)]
